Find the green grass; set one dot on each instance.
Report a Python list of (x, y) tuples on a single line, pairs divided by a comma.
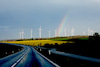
[(66, 39), (83, 38), (60, 39)]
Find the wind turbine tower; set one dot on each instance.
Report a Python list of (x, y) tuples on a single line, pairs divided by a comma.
[(55, 33), (65, 32), (72, 31), (84, 33), (40, 30), (49, 33), (92, 31), (31, 33), (22, 33), (88, 31)]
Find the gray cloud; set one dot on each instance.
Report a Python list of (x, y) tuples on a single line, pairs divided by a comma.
[(47, 13), (4, 27)]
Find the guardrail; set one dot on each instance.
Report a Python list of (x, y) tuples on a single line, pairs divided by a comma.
[(47, 58), (79, 57)]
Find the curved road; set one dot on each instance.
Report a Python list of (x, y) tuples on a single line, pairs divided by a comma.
[(91, 59), (28, 57)]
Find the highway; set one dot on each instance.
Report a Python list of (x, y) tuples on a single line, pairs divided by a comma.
[(84, 58), (76, 56), (28, 57)]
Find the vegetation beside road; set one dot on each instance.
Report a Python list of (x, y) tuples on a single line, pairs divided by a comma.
[(38, 42), (81, 45), (6, 49), (86, 46)]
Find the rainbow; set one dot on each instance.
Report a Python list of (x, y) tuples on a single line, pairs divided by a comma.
[(61, 26)]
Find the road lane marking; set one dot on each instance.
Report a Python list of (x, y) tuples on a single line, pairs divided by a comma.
[(48, 59), (19, 60)]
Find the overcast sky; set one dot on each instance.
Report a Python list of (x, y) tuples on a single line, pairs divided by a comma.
[(16, 15)]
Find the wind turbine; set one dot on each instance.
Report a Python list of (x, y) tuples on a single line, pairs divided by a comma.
[(31, 33), (49, 33), (92, 31), (40, 30), (88, 31), (72, 31), (65, 32), (22, 33), (55, 33), (83, 32)]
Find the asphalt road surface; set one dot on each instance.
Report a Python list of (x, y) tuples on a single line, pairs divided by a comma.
[(28, 57)]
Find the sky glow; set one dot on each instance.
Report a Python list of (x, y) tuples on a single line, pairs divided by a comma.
[(16, 15)]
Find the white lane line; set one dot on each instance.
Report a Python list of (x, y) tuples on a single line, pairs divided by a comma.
[(19, 60), (48, 59), (13, 64)]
